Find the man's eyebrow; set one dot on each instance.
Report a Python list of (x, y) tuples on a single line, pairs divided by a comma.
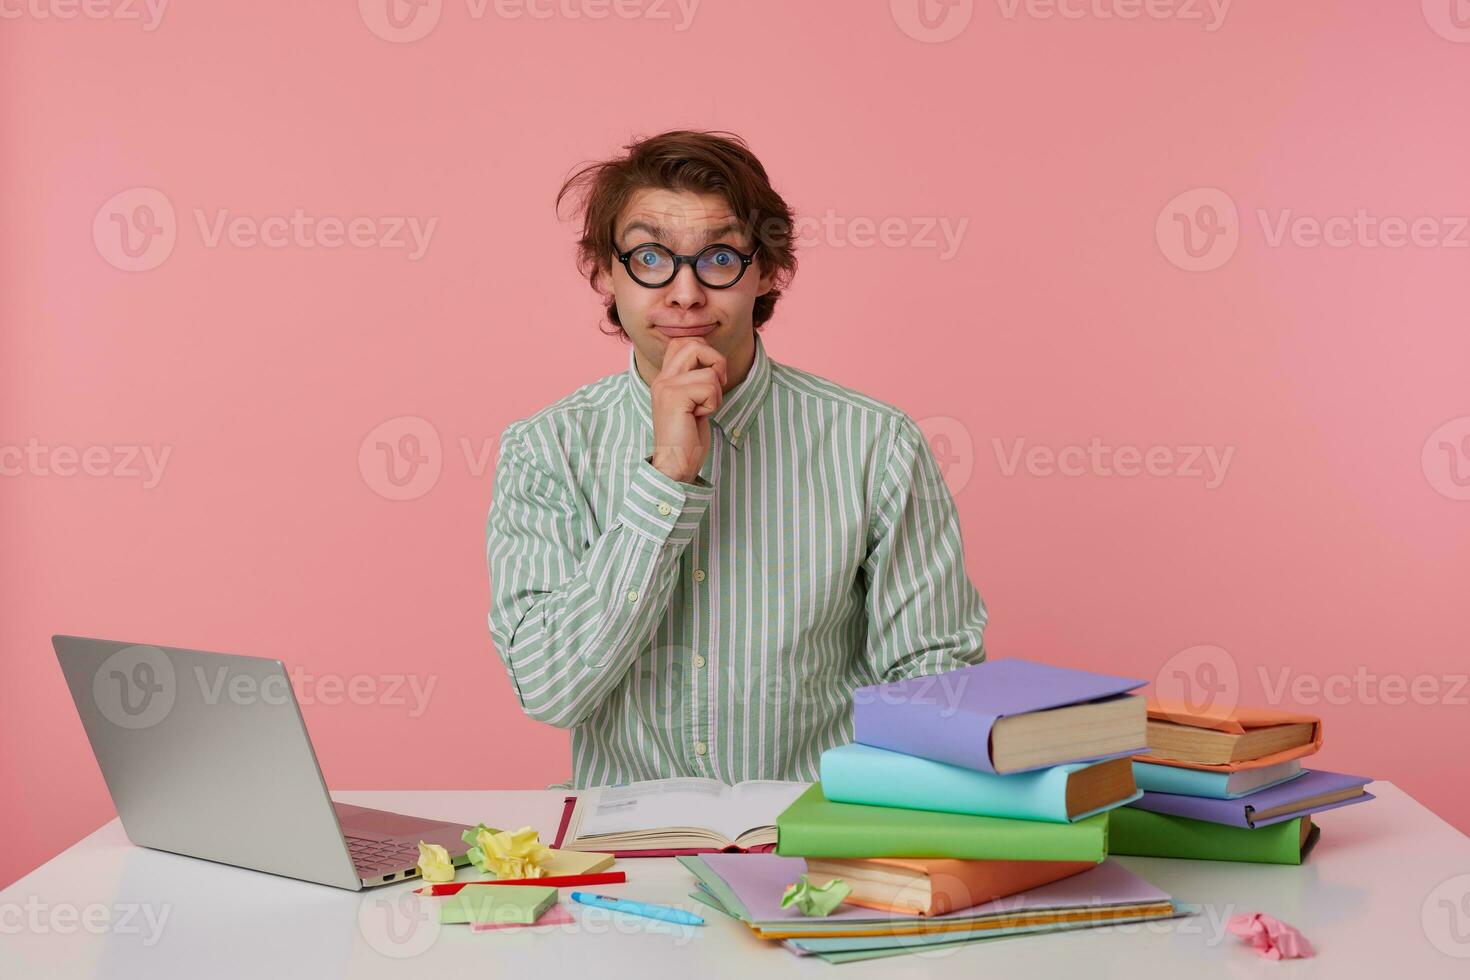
[(661, 234)]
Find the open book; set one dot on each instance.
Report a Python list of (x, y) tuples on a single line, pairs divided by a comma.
[(677, 815)]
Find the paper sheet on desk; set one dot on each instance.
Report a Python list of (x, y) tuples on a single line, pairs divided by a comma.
[(706, 803)]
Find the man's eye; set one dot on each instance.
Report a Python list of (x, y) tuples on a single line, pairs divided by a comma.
[(649, 257)]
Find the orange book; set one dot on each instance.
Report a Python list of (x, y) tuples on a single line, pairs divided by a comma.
[(1218, 740), (935, 886)]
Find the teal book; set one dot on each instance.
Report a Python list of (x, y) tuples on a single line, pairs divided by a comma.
[(814, 826), (1157, 778), (859, 773)]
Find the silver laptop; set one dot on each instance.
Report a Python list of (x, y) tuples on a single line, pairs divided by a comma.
[(206, 754)]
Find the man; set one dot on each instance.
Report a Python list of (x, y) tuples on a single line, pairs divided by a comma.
[(693, 563)]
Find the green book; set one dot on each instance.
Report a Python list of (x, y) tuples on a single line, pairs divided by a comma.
[(497, 904), (814, 826), (1149, 834)]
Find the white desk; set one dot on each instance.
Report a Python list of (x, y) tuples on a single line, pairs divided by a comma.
[(1385, 895)]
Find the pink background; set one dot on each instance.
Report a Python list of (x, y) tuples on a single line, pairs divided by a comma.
[(1336, 545)]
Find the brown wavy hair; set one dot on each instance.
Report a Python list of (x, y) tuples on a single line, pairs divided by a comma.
[(706, 162)]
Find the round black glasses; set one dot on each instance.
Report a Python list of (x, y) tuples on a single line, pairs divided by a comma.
[(715, 266)]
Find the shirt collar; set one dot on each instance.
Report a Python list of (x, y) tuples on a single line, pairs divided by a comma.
[(738, 408)]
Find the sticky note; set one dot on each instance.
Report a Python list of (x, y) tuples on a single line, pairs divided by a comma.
[(522, 905)]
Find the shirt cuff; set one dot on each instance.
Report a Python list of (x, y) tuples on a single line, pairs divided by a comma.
[(662, 508)]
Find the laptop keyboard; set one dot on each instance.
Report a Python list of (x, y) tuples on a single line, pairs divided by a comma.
[(375, 856)]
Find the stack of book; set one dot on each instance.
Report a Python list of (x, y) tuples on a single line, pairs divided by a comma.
[(1229, 785), (970, 802)]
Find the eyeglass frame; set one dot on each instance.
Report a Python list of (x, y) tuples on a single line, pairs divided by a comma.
[(690, 260)]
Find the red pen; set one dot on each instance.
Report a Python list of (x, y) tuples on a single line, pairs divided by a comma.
[(562, 881)]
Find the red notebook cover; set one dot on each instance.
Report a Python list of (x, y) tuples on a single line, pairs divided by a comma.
[(566, 818)]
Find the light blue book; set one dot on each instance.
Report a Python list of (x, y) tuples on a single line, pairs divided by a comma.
[(1213, 785), (859, 773)]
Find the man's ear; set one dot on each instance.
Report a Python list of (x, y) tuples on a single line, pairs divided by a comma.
[(767, 280), (602, 281)]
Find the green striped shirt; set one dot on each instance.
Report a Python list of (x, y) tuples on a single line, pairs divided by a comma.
[(718, 628)]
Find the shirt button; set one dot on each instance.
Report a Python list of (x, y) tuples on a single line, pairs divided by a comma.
[(632, 595), (699, 575), (698, 660), (665, 509), (735, 434), (700, 748)]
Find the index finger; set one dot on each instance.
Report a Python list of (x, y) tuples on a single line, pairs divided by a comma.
[(691, 353)]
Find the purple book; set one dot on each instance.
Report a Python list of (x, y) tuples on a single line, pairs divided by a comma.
[(1281, 801), (948, 717), (759, 880)]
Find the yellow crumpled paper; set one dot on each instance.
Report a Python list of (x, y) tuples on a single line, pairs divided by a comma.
[(507, 854), (434, 863)]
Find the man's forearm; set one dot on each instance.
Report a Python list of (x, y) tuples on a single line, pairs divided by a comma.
[(568, 646)]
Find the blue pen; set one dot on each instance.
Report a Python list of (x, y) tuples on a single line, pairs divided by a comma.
[(638, 908)]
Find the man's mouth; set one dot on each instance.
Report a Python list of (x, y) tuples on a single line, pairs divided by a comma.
[(697, 330)]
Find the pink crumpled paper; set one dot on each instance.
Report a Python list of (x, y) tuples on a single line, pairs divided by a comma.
[(1270, 937)]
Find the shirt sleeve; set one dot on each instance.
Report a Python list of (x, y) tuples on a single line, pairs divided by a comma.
[(924, 615), (568, 616)]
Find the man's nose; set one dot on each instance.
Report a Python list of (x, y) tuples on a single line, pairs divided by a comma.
[(686, 290)]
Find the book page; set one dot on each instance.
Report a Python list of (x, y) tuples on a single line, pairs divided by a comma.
[(648, 805), (704, 803)]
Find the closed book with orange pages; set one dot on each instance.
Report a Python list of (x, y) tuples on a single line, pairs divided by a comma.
[(936, 886), (1227, 740)]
